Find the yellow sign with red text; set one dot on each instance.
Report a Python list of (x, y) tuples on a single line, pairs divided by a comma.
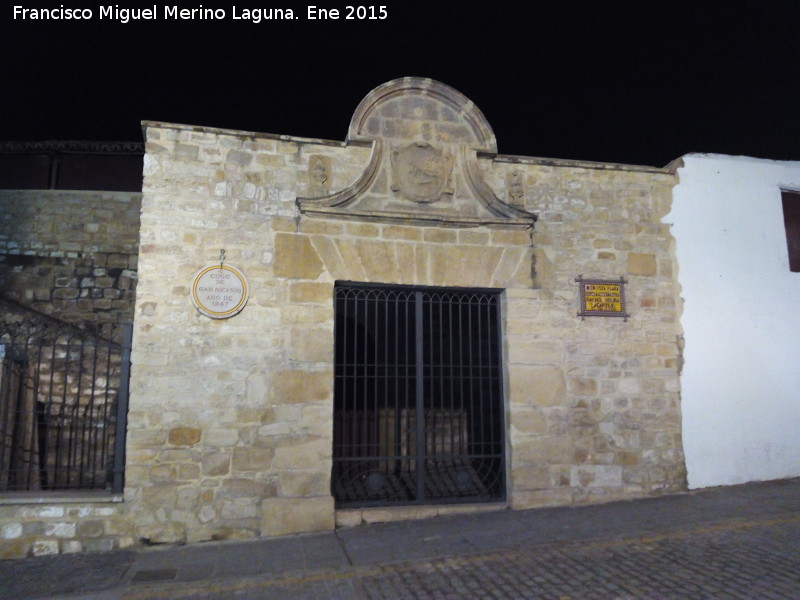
[(603, 297)]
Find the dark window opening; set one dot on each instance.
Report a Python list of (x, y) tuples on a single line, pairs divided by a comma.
[(791, 219), (107, 166), (418, 403)]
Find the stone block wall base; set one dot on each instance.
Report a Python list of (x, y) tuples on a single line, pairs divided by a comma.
[(541, 498), (14, 549), (62, 523), (284, 516)]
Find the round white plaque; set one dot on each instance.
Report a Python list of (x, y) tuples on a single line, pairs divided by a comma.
[(219, 291)]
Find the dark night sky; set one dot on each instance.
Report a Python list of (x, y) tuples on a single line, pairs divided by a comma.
[(633, 82)]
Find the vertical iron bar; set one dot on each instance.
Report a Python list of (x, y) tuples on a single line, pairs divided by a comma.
[(383, 434), (402, 423), (48, 409), (122, 409), (501, 416), (18, 436), (49, 418), (99, 412), (434, 421), (5, 420), (87, 465), (62, 444), (365, 378), (381, 373), (375, 373), (346, 435), (481, 406), (343, 439), (393, 412), (26, 452), (75, 429), (106, 438), (470, 367), (420, 405), (354, 444), (460, 347), (490, 355), (336, 432), (451, 409), (346, 404), (486, 408)]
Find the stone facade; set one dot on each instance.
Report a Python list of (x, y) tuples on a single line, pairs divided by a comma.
[(231, 420)]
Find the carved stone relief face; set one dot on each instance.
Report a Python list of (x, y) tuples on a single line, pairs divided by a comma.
[(421, 173)]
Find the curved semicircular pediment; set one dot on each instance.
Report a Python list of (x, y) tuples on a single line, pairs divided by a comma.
[(423, 168)]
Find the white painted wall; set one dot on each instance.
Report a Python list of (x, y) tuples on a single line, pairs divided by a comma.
[(741, 320)]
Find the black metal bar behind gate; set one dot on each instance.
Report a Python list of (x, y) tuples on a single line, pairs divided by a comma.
[(418, 402)]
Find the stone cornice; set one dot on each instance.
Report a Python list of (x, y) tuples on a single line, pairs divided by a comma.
[(580, 164)]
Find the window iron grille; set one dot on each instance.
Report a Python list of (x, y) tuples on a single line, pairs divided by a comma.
[(63, 404)]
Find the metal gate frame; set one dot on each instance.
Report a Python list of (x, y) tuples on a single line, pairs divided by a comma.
[(439, 435)]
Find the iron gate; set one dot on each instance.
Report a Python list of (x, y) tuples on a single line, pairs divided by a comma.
[(63, 403), (418, 402)]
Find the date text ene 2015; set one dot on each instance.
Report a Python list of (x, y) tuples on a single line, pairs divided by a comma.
[(371, 13)]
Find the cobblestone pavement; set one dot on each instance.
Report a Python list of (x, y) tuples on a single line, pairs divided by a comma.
[(737, 560), (738, 542)]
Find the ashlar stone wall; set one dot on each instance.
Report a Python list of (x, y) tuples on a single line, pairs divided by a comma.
[(230, 425), (70, 254), (594, 403)]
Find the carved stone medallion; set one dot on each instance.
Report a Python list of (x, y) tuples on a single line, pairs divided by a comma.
[(421, 173)]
